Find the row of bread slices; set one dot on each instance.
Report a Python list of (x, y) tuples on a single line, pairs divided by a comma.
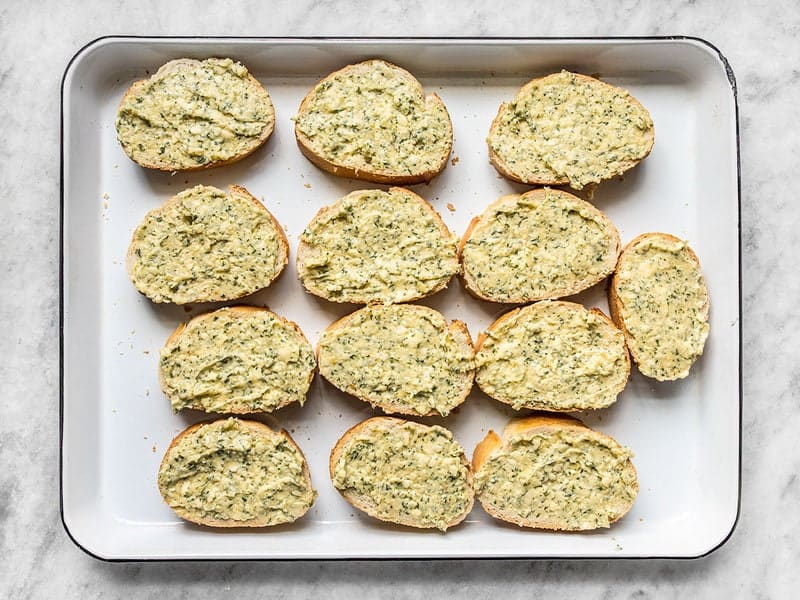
[(544, 472), (404, 358), (372, 121), (372, 246), (375, 246)]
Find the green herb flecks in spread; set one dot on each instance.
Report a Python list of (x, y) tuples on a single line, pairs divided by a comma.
[(231, 361), (536, 248), (383, 246), (398, 356), (205, 245), (664, 306), (224, 471), (409, 472), (372, 118), (553, 355), (192, 113), (577, 480), (566, 127)]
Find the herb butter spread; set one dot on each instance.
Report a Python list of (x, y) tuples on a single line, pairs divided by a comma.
[(403, 358), (553, 356), (374, 117), (564, 479), (405, 473), (376, 246), (569, 128), (663, 304), (542, 244), (237, 360), (232, 470), (194, 114), (205, 245)]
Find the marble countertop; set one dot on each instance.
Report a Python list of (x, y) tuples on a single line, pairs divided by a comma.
[(761, 559)]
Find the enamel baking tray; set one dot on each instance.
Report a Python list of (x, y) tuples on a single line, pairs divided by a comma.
[(116, 424)]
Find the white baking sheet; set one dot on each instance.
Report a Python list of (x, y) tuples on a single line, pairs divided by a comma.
[(116, 423)]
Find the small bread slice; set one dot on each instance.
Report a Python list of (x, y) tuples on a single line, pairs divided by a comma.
[(569, 129), (204, 245), (375, 246), (543, 244), (403, 358), (236, 360), (372, 121), (553, 472), (403, 472), (193, 115), (235, 473), (659, 298), (553, 355)]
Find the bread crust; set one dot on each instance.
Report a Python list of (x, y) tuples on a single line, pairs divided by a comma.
[(239, 310), (534, 423), (176, 65), (544, 178), (362, 503), (303, 248), (256, 428), (389, 178), (281, 259), (471, 284), (614, 301), (503, 319), (459, 331)]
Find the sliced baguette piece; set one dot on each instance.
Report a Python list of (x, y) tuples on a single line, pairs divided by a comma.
[(569, 129), (553, 355), (235, 473), (405, 359), (375, 246), (543, 244), (553, 472), (193, 115), (403, 472), (372, 121), (239, 360), (659, 298), (205, 245)]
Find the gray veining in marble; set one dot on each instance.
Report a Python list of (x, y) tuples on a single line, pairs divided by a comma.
[(762, 559)]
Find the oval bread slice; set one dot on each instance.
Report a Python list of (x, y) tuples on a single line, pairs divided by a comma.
[(569, 129), (204, 245), (372, 121), (235, 473), (375, 246), (194, 114), (553, 355), (542, 244), (553, 472), (659, 298), (403, 358), (236, 360), (403, 472)]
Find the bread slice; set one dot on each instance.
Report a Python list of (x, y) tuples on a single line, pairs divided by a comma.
[(204, 245), (193, 115), (553, 355), (372, 121), (235, 473), (403, 358), (553, 472), (542, 244), (375, 246), (236, 360), (659, 298), (569, 129), (403, 472)]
